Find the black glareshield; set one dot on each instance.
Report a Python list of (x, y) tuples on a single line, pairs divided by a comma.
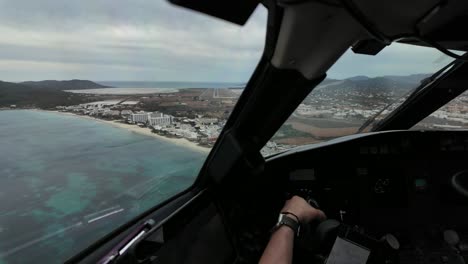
[(235, 11)]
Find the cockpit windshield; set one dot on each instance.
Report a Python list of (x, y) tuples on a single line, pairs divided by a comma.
[(358, 91), (107, 110)]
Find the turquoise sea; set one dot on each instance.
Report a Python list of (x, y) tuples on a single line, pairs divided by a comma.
[(66, 181)]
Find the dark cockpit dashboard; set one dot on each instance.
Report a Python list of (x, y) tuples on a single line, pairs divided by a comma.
[(396, 182)]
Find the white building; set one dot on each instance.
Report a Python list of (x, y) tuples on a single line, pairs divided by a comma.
[(184, 133), (162, 120), (206, 121), (113, 113), (139, 117), (153, 119), (100, 104)]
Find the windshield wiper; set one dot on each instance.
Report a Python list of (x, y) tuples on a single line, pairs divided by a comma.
[(127, 242), (426, 82), (372, 118)]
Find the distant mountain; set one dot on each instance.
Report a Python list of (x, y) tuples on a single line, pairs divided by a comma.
[(383, 89), (47, 94), (64, 85), (359, 78), (369, 86)]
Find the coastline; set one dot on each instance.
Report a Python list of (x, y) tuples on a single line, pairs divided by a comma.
[(139, 130)]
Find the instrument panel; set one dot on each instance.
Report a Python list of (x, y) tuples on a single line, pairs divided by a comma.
[(396, 182), (381, 170)]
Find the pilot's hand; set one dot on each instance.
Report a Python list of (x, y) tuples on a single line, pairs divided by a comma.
[(306, 213)]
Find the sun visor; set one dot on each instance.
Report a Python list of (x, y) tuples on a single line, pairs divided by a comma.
[(235, 11)]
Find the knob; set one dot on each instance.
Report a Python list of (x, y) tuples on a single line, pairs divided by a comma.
[(451, 237), (390, 241)]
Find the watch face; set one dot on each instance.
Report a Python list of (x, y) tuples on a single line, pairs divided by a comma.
[(281, 217)]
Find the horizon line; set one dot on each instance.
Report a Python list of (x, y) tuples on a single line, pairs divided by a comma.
[(242, 82)]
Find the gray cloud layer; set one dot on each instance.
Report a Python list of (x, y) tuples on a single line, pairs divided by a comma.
[(123, 40), (153, 40)]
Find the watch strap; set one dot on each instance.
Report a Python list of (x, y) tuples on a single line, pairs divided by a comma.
[(285, 220), (291, 214)]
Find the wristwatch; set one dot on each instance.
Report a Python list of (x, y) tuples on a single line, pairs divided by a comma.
[(285, 220)]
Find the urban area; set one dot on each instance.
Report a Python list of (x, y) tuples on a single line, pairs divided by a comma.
[(335, 108), (197, 115)]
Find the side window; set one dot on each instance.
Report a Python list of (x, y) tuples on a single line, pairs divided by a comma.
[(453, 115)]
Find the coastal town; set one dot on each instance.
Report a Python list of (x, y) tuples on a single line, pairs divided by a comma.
[(193, 117), (196, 116), (201, 130)]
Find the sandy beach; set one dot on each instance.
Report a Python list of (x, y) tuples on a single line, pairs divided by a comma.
[(141, 130)]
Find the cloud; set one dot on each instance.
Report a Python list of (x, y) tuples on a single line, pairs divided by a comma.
[(397, 59), (105, 38), (154, 40)]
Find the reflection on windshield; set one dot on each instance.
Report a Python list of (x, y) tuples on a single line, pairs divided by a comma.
[(339, 107)]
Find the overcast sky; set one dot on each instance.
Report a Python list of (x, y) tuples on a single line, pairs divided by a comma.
[(151, 40)]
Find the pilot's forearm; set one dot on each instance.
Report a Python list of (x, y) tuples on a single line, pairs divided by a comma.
[(280, 248)]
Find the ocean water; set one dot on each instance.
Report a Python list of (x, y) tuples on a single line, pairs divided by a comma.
[(66, 181), (176, 85)]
